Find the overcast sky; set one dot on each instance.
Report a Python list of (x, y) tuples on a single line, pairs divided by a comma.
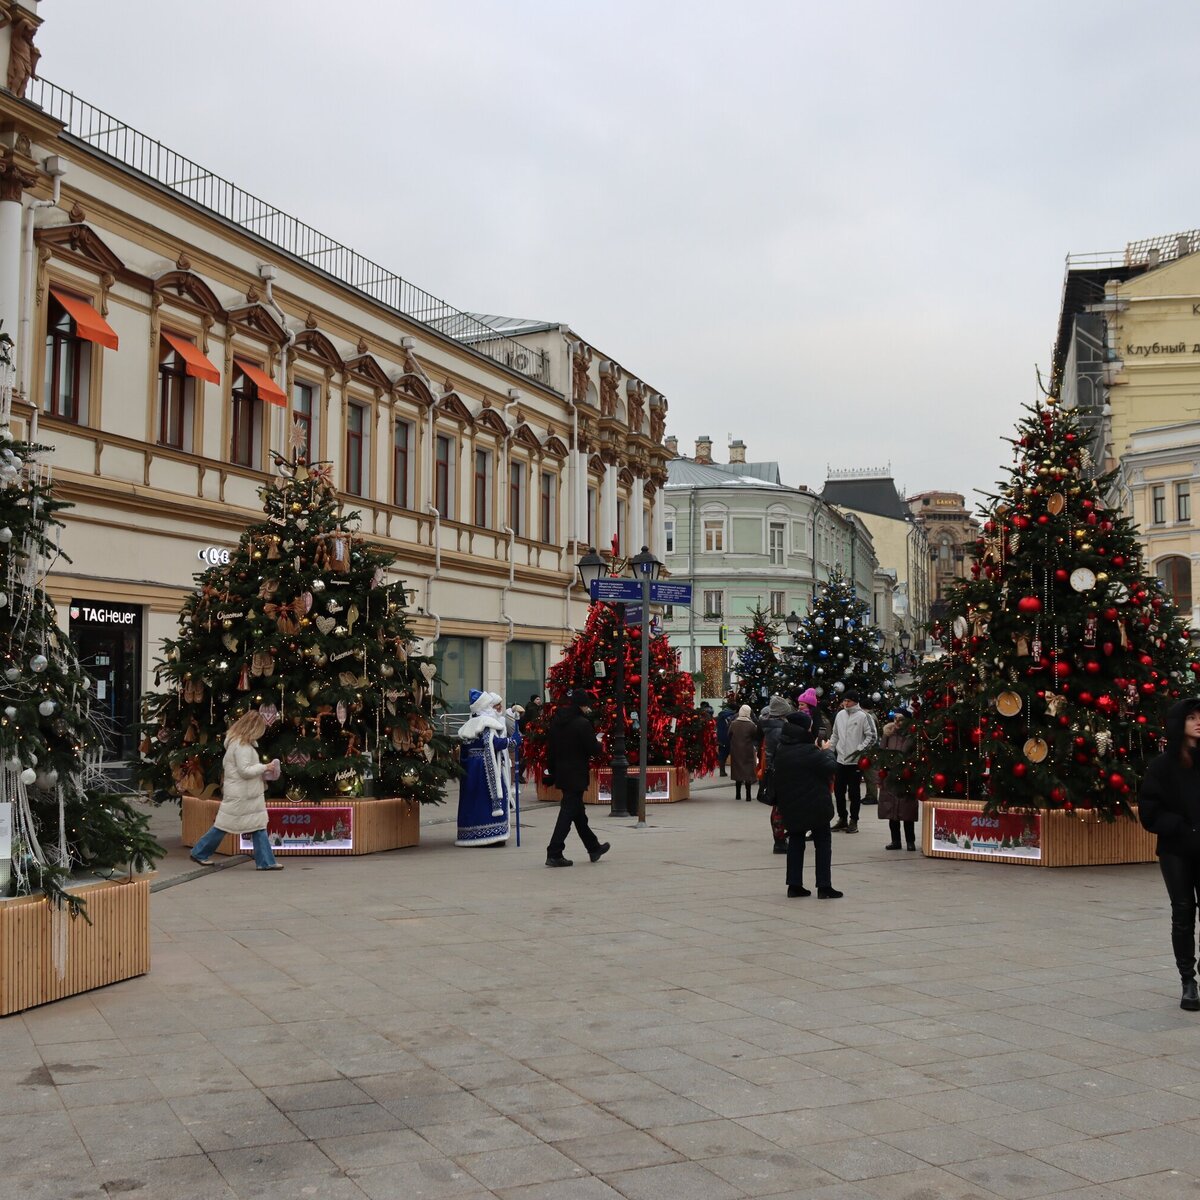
[(836, 231)]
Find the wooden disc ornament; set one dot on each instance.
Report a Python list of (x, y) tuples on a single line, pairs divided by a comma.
[(1055, 503), (1036, 750), (1008, 704)]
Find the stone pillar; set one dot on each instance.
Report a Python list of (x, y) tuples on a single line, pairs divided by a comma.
[(15, 177), (607, 516)]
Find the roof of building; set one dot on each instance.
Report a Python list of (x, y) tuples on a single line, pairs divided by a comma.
[(687, 473), (514, 326), (760, 470), (868, 494)]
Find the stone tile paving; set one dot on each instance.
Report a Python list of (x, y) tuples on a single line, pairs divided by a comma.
[(464, 1023)]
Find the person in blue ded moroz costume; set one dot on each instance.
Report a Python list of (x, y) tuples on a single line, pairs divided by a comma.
[(484, 792)]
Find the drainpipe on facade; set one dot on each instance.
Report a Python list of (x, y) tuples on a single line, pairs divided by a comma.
[(692, 581), (56, 168), (513, 396)]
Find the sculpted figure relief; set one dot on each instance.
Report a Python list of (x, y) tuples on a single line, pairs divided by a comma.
[(609, 400), (579, 374), (23, 55)]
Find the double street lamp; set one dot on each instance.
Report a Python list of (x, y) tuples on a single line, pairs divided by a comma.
[(905, 642), (646, 569)]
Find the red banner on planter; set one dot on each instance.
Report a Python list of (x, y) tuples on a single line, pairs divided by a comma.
[(1003, 835), (658, 784), (307, 827)]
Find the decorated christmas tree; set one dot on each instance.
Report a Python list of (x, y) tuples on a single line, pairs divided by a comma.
[(62, 814), (676, 732), (1060, 655), (837, 650), (305, 625), (757, 661)]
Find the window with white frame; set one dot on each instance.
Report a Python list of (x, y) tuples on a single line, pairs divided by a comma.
[(1158, 504), (714, 535), (358, 429), (176, 399), (443, 474), (516, 497), (714, 604), (402, 445), (306, 411), (481, 488), (669, 535), (776, 532), (778, 604), (547, 496), (1183, 502)]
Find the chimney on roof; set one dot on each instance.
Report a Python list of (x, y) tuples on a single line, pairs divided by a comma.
[(704, 449), (737, 451), (672, 445)]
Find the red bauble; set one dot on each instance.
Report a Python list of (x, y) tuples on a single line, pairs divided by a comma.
[(1115, 780), (1092, 667), (1062, 575), (939, 781), (959, 787), (1146, 660), (1110, 614), (1020, 522), (1019, 769), (906, 773), (1062, 669), (883, 774), (921, 792), (1118, 560), (1106, 704), (1085, 698), (1058, 794), (1029, 604), (863, 763), (1148, 689), (1043, 519), (1107, 647)]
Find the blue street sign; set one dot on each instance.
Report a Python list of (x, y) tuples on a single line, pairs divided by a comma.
[(618, 591), (633, 614), (671, 593)]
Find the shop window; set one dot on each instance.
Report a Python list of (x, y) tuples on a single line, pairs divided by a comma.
[(546, 502), (401, 478), (246, 448), (357, 431), (459, 662), (443, 472), (516, 497), (524, 672), (1176, 576), (176, 399), (68, 366), (306, 412), (481, 489)]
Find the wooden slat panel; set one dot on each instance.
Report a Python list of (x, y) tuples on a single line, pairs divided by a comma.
[(115, 946), (1068, 839)]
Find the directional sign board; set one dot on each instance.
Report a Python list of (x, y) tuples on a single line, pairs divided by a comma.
[(619, 591), (671, 593), (633, 614)]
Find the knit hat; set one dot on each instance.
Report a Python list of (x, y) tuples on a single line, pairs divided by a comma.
[(851, 696), (744, 713), (779, 707), (809, 699), (800, 718)]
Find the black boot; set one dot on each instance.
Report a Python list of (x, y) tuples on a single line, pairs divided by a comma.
[(737, 790), (1191, 998), (781, 847)]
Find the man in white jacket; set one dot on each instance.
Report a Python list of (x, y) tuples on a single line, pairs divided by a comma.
[(853, 733)]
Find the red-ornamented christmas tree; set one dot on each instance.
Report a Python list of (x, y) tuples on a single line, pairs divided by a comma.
[(757, 661), (1061, 656), (676, 732)]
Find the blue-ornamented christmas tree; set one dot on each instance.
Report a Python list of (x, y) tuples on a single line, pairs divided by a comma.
[(837, 650), (757, 661)]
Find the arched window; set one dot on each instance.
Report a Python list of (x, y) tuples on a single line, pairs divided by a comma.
[(1176, 575)]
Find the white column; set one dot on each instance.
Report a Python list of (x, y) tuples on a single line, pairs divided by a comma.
[(658, 525), (10, 254), (636, 526), (608, 509)]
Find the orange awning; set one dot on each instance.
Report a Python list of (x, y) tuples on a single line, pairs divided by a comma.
[(268, 389), (193, 357), (89, 324)]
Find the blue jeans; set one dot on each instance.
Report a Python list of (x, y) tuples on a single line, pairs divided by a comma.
[(263, 855)]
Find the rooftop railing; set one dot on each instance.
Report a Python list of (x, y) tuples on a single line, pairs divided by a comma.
[(115, 140)]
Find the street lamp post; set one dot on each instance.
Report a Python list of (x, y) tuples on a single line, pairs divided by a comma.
[(905, 642), (646, 568), (591, 567)]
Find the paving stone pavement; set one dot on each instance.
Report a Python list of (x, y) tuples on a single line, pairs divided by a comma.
[(450, 1023)]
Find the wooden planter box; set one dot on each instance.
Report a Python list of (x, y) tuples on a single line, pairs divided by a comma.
[(115, 946), (370, 825), (1034, 837), (677, 788)]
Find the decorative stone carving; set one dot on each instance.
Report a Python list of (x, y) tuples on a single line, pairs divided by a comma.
[(23, 55), (15, 176), (580, 364), (609, 397), (77, 216), (635, 392)]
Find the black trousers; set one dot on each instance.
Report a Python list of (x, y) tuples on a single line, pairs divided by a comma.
[(1182, 877), (848, 779), (822, 848), (571, 811), (910, 832)]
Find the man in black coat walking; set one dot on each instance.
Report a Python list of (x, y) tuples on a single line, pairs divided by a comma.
[(571, 745)]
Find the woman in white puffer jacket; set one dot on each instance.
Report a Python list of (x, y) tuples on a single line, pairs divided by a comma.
[(243, 797)]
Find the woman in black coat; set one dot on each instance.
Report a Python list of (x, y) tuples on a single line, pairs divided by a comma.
[(1169, 805), (801, 778)]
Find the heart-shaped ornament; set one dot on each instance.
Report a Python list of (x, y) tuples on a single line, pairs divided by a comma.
[(306, 599), (269, 713), (326, 625), (428, 671), (229, 642)]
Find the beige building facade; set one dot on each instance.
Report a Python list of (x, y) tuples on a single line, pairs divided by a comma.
[(951, 533), (171, 330)]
